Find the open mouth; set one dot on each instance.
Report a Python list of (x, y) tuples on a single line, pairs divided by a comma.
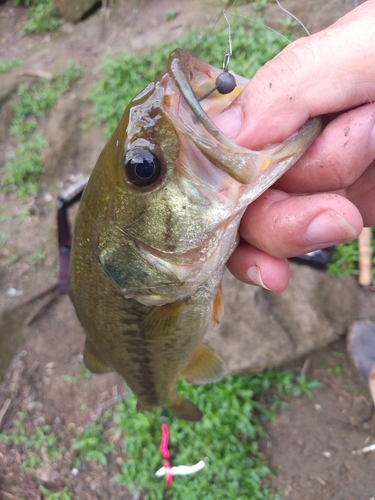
[(192, 78)]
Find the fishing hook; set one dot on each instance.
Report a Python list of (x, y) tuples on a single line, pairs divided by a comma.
[(225, 83)]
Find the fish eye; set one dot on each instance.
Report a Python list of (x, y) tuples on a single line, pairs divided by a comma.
[(142, 167)]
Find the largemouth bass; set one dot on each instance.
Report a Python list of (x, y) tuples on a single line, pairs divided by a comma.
[(157, 222)]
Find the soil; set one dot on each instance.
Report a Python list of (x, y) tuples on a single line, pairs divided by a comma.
[(311, 443)]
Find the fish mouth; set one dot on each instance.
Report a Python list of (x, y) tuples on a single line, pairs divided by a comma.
[(193, 78)]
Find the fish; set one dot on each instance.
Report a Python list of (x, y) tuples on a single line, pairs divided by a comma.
[(156, 225)]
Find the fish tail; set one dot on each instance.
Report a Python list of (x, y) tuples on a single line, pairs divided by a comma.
[(183, 408)]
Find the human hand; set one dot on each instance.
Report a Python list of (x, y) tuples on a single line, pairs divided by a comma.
[(331, 73)]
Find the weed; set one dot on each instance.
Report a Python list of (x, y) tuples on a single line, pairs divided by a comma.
[(8, 64), (304, 386), (24, 167), (71, 379), (226, 438), (35, 99), (42, 16), (42, 442), (170, 14), (344, 261), (91, 445), (3, 238), (37, 257), (63, 494), (22, 170), (335, 370), (84, 374), (340, 355), (26, 3)]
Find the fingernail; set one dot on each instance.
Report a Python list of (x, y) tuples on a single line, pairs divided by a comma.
[(330, 228), (229, 122), (253, 273)]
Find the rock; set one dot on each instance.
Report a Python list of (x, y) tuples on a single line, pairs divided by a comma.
[(63, 137), (6, 116), (261, 329), (74, 10), (8, 85)]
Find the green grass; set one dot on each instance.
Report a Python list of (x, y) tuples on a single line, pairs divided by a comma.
[(91, 445), (7, 64), (344, 261), (36, 445), (63, 494), (23, 168), (42, 16), (37, 257), (124, 76), (170, 14), (226, 439)]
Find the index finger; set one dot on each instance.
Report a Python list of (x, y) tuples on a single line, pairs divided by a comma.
[(327, 72)]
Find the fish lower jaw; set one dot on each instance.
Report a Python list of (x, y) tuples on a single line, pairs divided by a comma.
[(154, 300)]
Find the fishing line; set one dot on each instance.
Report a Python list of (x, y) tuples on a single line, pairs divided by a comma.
[(167, 470), (293, 16), (225, 83)]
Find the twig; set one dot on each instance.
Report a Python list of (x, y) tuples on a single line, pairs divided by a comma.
[(335, 386), (320, 480), (41, 293), (8, 495), (113, 37), (4, 409), (305, 366), (366, 449), (43, 304), (110, 402), (39, 73)]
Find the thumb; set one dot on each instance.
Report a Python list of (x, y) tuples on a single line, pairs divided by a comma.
[(327, 72)]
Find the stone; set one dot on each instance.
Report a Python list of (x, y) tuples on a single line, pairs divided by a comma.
[(74, 10), (63, 137), (263, 329)]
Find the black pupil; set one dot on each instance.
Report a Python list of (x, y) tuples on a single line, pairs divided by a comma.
[(142, 168), (145, 169)]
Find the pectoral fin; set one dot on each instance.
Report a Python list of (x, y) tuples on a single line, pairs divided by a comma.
[(92, 361), (205, 367), (218, 307), (161, 320)]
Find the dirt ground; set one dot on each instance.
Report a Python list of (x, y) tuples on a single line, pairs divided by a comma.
[(310, 444)]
